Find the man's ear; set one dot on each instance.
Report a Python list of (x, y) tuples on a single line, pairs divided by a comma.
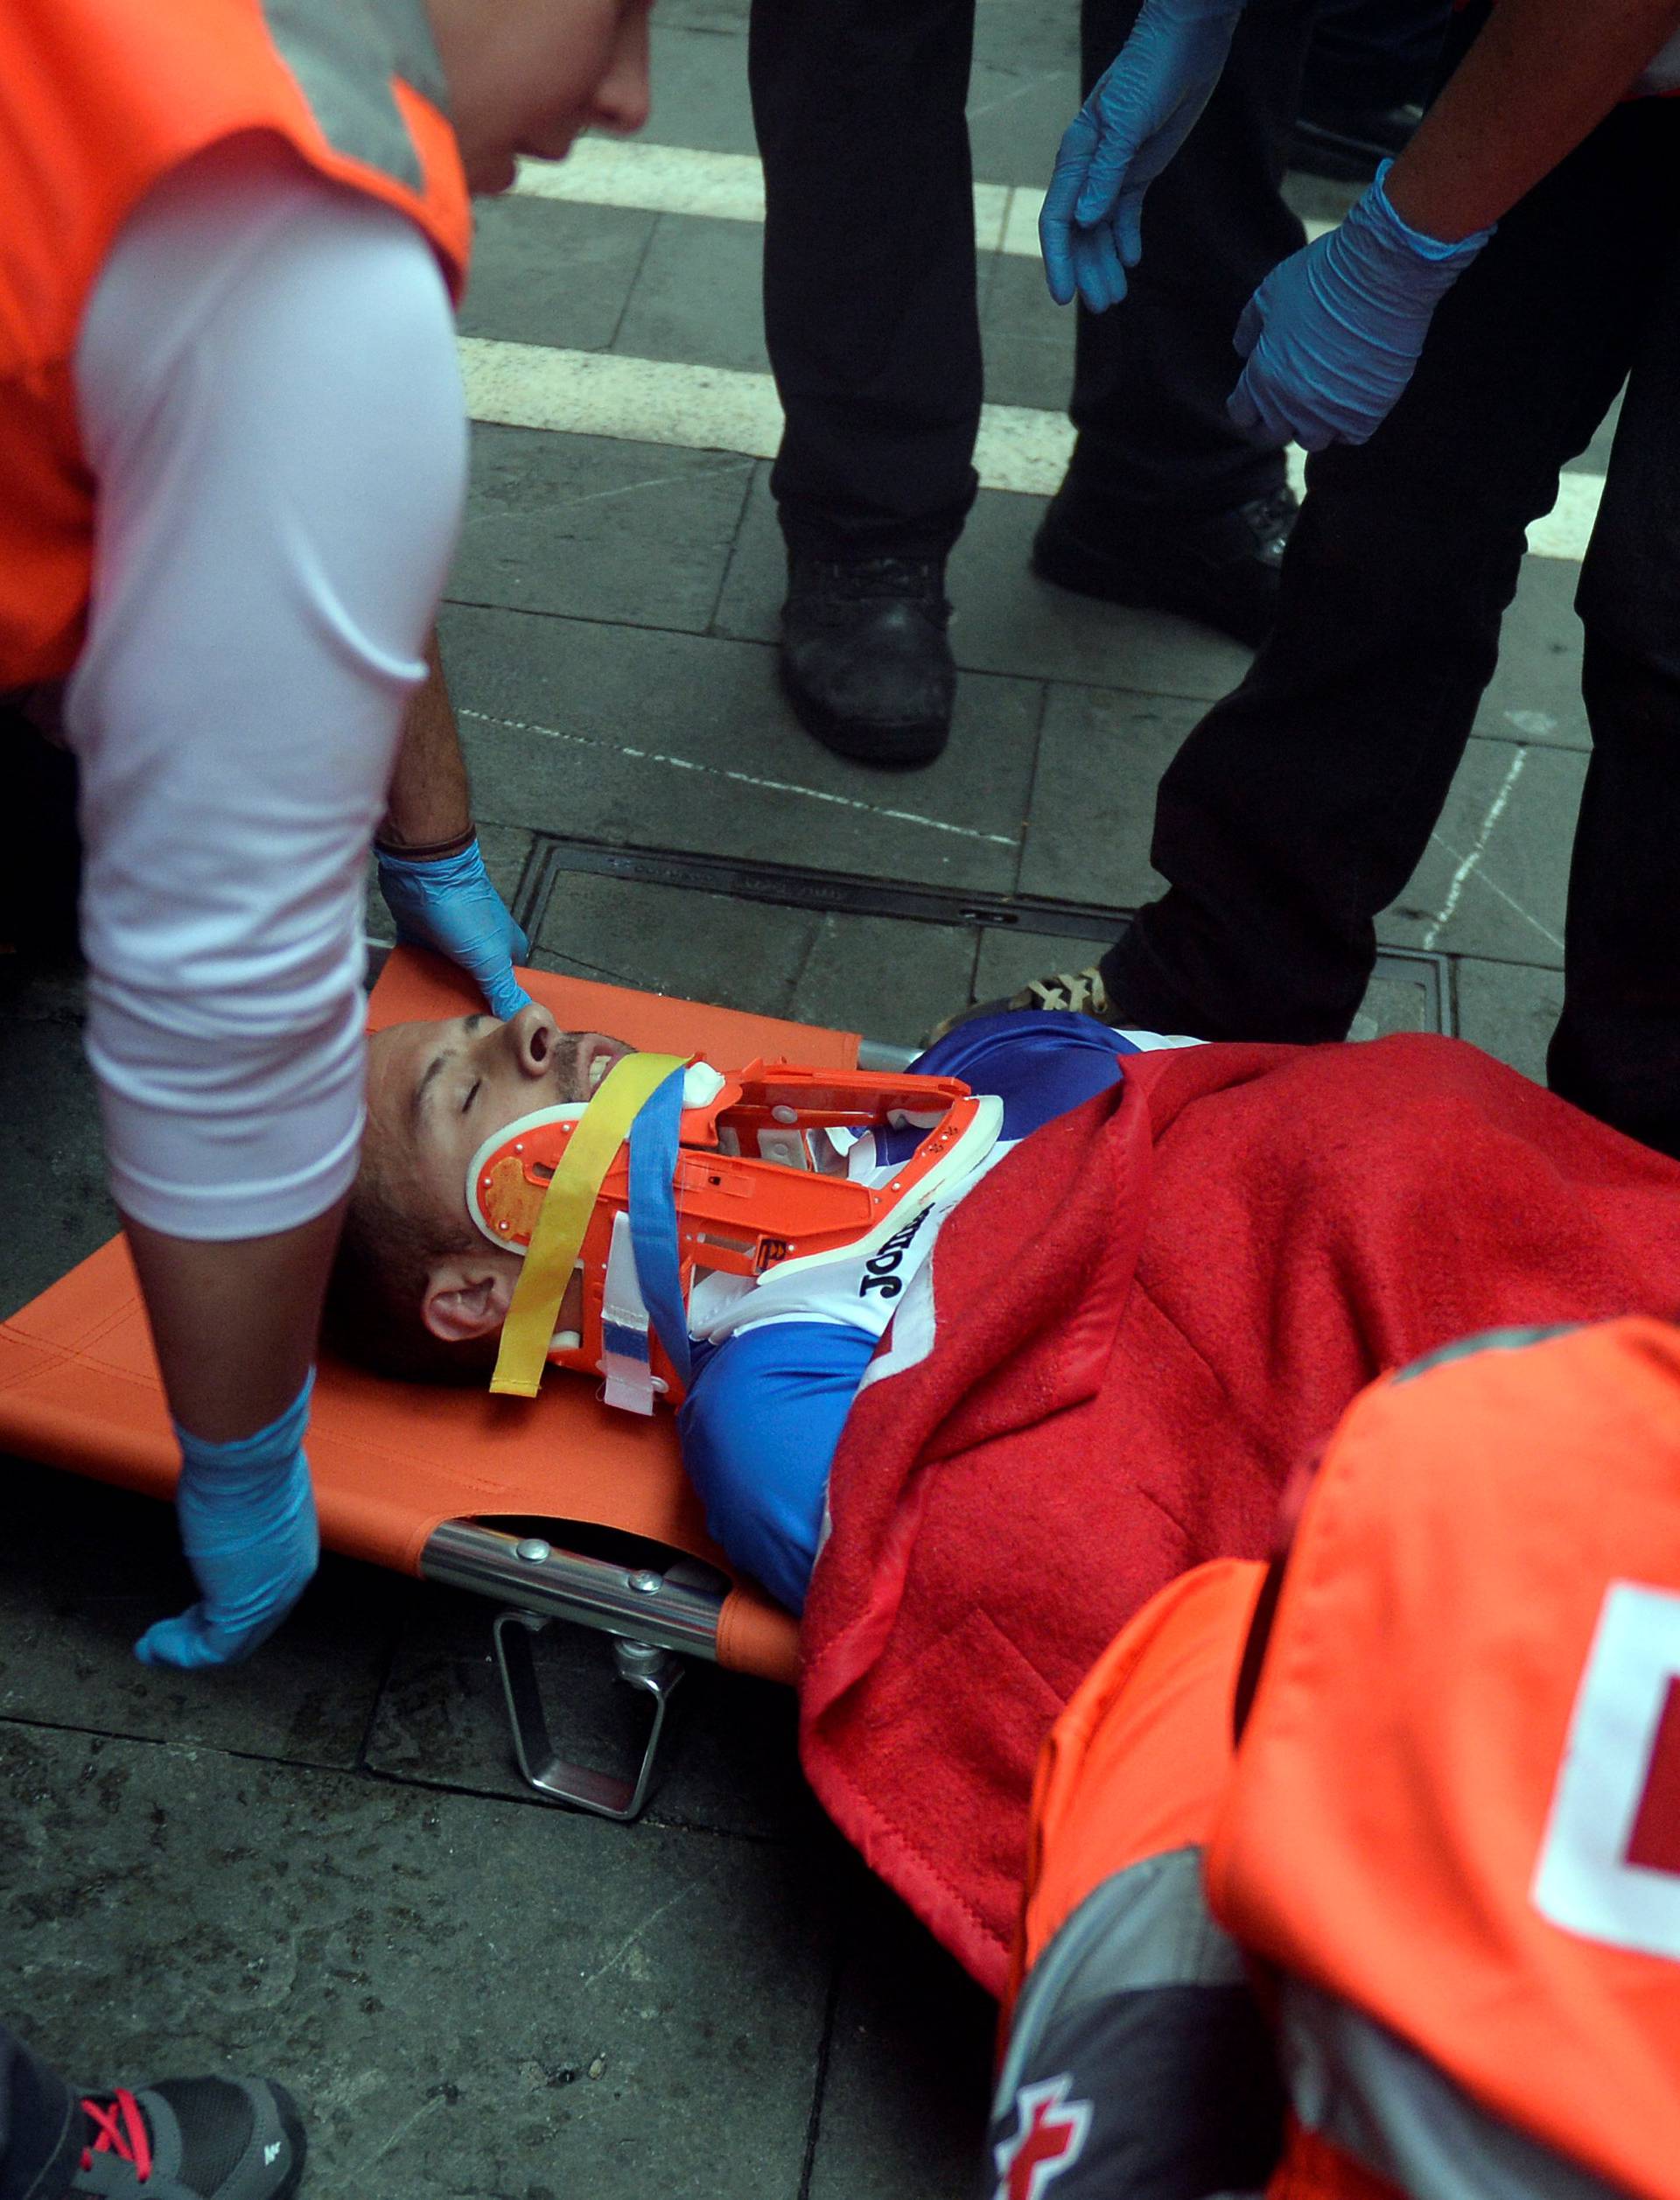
[(467, 1294)]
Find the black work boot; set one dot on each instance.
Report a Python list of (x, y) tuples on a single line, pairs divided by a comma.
[(865, 660), (1223, 571)]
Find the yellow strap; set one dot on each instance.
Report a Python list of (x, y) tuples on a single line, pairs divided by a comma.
[(567, 1205)]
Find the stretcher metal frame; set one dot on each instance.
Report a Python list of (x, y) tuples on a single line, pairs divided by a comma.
[(657, 1620), (658, 1615)]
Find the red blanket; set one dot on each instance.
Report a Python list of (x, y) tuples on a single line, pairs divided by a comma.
[(1128, 1334)]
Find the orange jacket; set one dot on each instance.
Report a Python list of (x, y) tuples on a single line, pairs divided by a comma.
[(1446, 1848), (98, 102)]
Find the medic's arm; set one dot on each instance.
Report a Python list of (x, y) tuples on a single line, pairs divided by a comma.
[(1331, 335), (272, 410), (1540, 76), (431, 867)]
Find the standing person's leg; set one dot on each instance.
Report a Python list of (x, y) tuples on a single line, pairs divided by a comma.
[(873, 325), (1368, 70), (1617, 1047), (1373, 53), (1165, 503), (40, 2131), (1301, 805)]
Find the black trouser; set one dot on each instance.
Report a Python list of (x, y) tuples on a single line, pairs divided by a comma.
[(40, 2135), (1300, 806), (1374, 52), (871, 313)]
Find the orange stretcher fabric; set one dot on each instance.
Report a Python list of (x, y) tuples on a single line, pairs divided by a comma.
[(79, 1386)]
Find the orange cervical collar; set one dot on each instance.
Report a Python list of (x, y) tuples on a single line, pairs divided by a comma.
[(760, 1184)]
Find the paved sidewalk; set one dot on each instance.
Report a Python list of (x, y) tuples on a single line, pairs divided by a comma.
[(322, 1864)]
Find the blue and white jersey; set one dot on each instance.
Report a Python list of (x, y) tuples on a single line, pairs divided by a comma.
[(776, 1366)]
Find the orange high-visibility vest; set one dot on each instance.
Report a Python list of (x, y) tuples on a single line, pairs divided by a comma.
[(1446, 1846), (99, 102)]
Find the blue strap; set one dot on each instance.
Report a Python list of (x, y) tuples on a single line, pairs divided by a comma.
[(656, 1139)]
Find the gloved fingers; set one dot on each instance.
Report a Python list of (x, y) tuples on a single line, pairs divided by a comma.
[(1244, 413), (1057, 267), (194, 1641), (1106, 176), (1055, 216), (504, 996), (1129, 226), (1101, 278), (1253, 405)]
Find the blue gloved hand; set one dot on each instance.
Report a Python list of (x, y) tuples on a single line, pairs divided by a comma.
[(1140, 111), (247, 1527), (450, 905), (1332, 334)]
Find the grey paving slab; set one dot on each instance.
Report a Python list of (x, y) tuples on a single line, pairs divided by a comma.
[(1509, 1009), (545, 272), (1495, 879), (699, 296), (1007, 620), (595, 529), (1027, 337), (1010, 960), (666, 740), (1319, 198), (84, 1570), (1027, 36), (1596, 458), (730, 1763), (1017, 108), (727, 18), (469, 1998), (1536, 693), (54, 1208), (888, 979), (1006, 617), (699, 82), (1101, 757), (904, 2099)]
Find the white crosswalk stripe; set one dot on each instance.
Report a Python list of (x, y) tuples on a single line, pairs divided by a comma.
[(696, 408), (626, 171)]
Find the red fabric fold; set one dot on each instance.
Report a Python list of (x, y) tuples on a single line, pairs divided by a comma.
[(1141, 1321)]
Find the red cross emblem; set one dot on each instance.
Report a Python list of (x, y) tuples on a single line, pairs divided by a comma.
[(1049, 2137)]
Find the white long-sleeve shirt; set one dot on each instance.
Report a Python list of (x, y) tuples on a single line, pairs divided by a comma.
[(271, 405)]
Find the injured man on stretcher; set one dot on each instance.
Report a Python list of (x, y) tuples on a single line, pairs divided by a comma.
[(767, 1362)]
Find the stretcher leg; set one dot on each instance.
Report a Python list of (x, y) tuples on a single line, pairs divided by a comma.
[(652, 1610), (645, 1666)]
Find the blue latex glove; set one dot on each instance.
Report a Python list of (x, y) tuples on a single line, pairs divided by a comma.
[(1140, 111), (450, 905), (247, 1527), (1332, 334)]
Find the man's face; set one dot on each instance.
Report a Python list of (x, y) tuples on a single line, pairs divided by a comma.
[(437, 1091), (526, 77)]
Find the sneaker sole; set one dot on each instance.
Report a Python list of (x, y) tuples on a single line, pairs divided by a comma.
[(902, 747)]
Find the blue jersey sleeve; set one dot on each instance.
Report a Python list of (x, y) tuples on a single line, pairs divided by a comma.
[(758, 1429), (763, 1412)]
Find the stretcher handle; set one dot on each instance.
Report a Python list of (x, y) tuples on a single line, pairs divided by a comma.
[(677, 1608)]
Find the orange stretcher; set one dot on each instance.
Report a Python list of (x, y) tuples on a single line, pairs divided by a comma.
[(559, 1507)]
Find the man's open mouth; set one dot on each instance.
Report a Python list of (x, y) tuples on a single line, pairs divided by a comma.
[(596, 1055)]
